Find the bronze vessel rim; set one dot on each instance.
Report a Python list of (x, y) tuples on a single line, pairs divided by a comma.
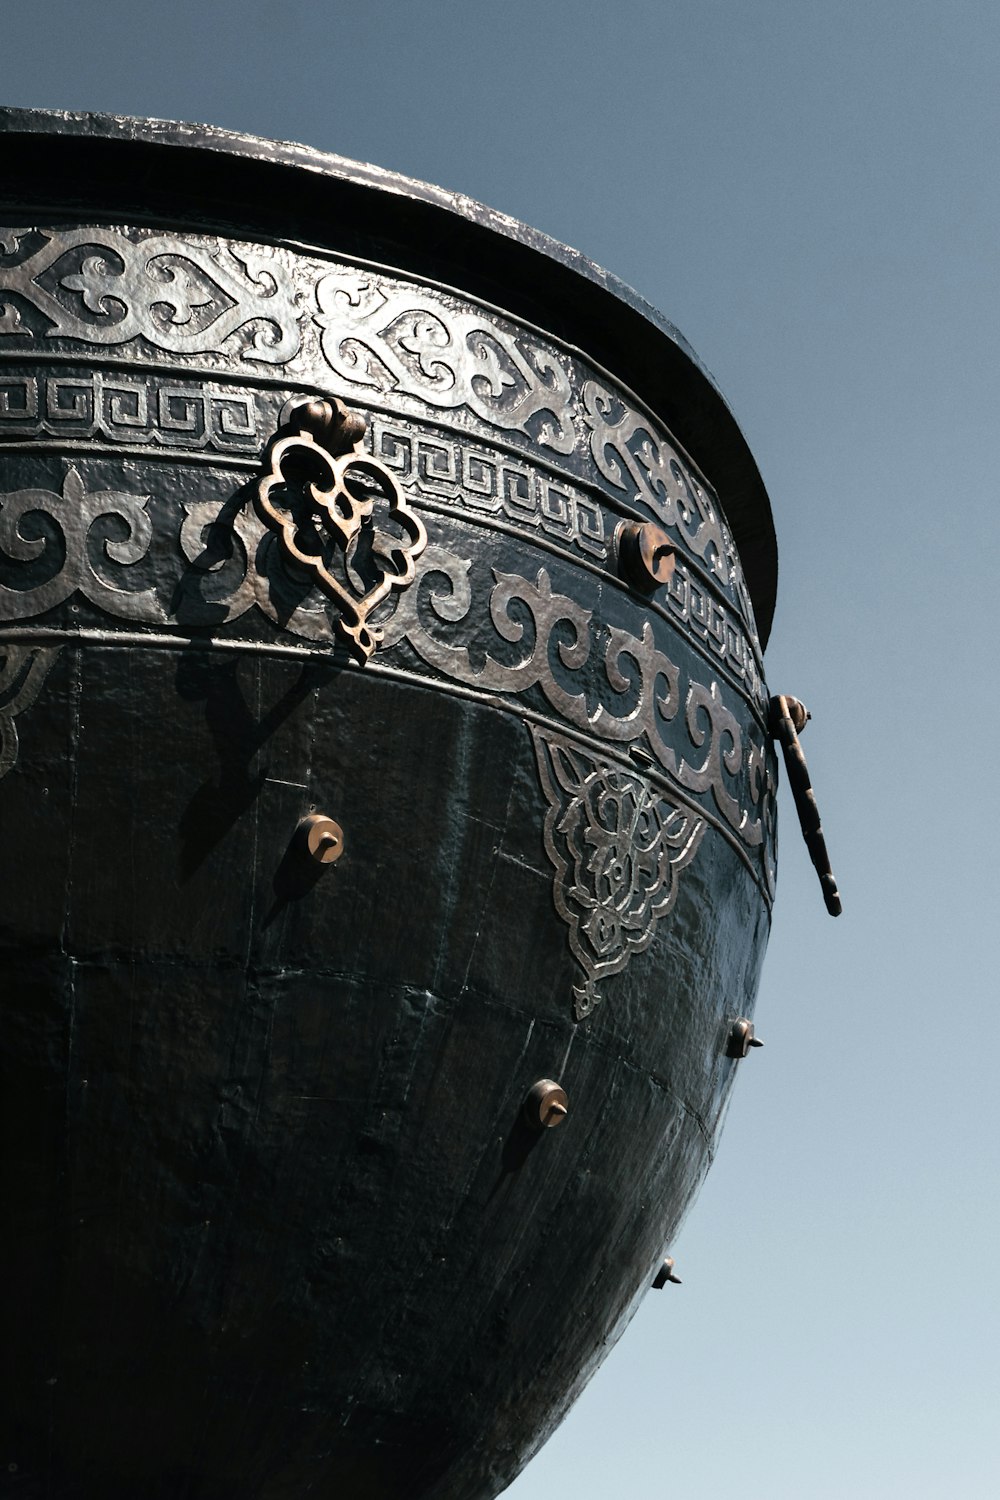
[(158, 169)]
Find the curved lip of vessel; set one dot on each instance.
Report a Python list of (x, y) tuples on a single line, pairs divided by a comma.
[(329, 201)]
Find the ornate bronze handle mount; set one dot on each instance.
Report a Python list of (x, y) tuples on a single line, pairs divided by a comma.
[(340, 517)]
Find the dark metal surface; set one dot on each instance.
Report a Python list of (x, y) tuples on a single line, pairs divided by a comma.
[(350, 796)]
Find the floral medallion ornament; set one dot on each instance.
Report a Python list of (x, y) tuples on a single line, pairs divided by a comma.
[(618, 847)]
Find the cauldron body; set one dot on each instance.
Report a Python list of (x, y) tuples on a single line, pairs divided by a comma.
[(275, 1218)]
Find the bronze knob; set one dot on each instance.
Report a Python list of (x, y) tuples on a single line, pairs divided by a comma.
[(322, 838), (665, 1274), (741, 1039), (646, 555), (546, 1105)]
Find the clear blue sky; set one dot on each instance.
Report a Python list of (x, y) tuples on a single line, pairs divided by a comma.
[(810, 191)]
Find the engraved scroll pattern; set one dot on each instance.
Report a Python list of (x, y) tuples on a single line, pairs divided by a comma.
[(102, 287), (630, 451), (409, 341), (55, 546), (491, 484), (471, 480), (379, 336), (607, 682), (194, 296), (640, 691), (617, 848), (75, 515)]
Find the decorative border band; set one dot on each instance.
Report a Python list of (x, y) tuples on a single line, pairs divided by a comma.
[(225, 308), (506, 635)]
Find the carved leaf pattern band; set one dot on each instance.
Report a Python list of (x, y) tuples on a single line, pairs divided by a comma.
[(203, 296), (401, 340), (176, 293), (631, 449), (378, 335)]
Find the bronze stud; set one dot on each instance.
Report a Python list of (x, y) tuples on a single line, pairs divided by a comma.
[(546, 1105), (322, 838), (741, 1038), (797, 712), (646, 555), (330, 422), (665, 1274)]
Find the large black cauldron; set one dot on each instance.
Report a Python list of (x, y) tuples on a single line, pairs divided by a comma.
[(326, 495)]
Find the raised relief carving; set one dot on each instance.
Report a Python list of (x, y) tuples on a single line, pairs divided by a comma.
[(627, 447), (633, 697), (23, 670), (607, 682), (617, 846), (690, 604), (482, 482), (57, 540), (491, 484), (329, 538), (53, 546), (134, 410), (383, 337), (224, 562), (101, 287), (193, 296)]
